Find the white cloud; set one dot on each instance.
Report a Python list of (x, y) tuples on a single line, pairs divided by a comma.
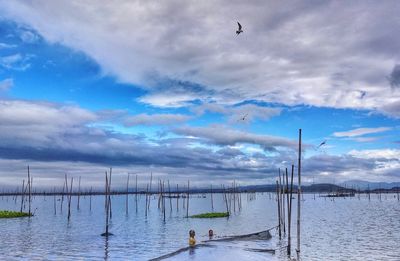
[(361, 132), (6, 84), (243, 113), (155, 119), (294, 52), (390, 154), (7, 46), (222, 135), (16, 61)]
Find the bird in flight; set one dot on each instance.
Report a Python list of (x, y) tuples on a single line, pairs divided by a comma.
[(322, 144), (239, 30), (244, 117)]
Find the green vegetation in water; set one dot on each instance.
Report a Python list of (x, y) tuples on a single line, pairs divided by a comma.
[(13, 214), (211, 215)]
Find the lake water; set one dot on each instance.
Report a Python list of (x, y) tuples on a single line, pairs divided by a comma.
[(339, 229)]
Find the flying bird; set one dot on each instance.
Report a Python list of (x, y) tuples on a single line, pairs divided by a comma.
[(244, 117), (322, 144), (239, 30)]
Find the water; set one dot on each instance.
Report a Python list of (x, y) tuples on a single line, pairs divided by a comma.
[(339, 229)]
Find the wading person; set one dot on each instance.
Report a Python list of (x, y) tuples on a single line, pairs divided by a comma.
[(210, 233), (192, 240)]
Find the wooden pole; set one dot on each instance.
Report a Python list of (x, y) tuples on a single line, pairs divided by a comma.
[(170, 199), (65, 189), (54, 201), (127, 194), (136, 194), (298, 198), (187, 207), (282, 183), (163, 198), (90, 199), (107, 204), (29, 192), (23, 194), (151, 181), (109, 193), (79, 191), (212, 201), (69, 199), (290, 214), (226, 200), (279, 208), (147, 191), (177, 198)]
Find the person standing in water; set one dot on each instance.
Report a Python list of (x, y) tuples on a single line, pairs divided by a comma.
[(210, 234), (192, 240)]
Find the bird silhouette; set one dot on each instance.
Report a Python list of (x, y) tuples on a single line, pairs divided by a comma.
[(239, 30), (244, 117), (322, 144)]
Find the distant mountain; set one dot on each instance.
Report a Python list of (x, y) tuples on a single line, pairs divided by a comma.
[(361, 184)]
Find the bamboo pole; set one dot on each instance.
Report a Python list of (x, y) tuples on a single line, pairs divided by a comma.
[(290, 214), (65, 191), (279, 209), (54, 201), (298, 198), (147, 191), (136, 195), (69, 199), (177, 198), (283, 204), (226, 201), (127, 194), (287, 192), (212, 201), (188, 197), (163, 199), (109, 194), (107, 188), (151, 181), (79, 191), (170, 199), (29, 192), (23, 194), (90, 199)]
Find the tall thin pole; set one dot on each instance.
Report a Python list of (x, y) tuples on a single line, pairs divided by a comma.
[(29, 192), (23, 194), (136, 194), (187, 206), (290, 214), (279, 208), (151, 181), (170, 199), (127, 194), (299, 197), (90, 199), (177, 197), (212, 201), (69, 199), (79, 191)]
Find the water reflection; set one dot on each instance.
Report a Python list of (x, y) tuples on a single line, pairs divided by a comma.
[(351, 229), (106, 254)]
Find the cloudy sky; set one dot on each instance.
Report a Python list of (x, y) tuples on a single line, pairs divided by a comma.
[(168, 87)]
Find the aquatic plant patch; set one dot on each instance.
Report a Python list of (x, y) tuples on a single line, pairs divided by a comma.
[(13, 214), (211, 215)]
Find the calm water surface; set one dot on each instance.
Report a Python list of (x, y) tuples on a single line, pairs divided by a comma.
[(339, 229)]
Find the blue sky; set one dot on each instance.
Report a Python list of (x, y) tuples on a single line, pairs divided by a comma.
[(80, 92)]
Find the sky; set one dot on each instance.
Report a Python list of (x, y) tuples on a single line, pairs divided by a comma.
[(167, 87)]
